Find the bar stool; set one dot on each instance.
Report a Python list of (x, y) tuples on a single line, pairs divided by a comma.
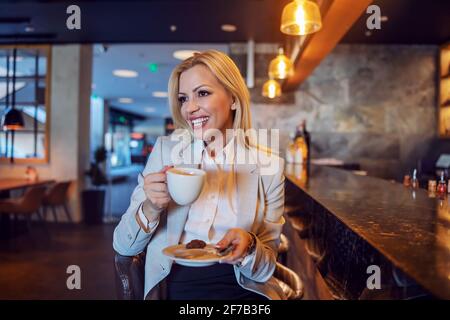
[(291, 209), (289, 281), (25, 206), (283, 249), (56, 196)]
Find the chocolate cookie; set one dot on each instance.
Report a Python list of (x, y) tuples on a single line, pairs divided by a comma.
[(196, 244)]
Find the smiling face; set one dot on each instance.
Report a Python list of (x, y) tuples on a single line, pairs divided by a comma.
[(205, 103)]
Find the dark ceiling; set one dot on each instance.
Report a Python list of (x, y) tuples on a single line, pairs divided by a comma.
[(146, 21), (199, 21), (409, 22)]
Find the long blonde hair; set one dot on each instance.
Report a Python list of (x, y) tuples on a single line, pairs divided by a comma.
[(227, 73)]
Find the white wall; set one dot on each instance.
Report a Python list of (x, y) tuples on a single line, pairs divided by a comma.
[(97, 123)]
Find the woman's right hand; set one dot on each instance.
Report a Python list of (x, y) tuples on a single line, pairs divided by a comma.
[(155, 188)]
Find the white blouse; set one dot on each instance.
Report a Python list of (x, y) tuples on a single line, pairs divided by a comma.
[(214, 211)]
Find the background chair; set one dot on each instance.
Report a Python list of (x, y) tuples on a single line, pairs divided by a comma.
[(56, 196), (130, 278), (25, 206)]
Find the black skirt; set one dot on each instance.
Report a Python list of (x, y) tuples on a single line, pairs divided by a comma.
[(216, 282)]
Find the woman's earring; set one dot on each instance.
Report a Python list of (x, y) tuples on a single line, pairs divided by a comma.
[(233, 106)]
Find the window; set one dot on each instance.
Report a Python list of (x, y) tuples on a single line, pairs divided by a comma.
[(30, 95)]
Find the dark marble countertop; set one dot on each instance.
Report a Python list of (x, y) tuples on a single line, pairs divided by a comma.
[(411, 228)]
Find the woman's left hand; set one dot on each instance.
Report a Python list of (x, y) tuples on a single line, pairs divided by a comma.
[(240, 240)]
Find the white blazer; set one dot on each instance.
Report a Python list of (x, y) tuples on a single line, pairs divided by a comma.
[(260, 210)]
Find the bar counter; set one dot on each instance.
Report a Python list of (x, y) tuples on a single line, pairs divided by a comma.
[(340, 223)]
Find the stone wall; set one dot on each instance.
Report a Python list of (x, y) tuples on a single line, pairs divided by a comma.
[(370, 104)]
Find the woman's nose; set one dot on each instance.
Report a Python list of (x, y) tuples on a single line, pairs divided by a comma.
[(192, 106)]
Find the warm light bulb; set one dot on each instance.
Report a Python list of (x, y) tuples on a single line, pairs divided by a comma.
[(271, 89), (301, 17), (281, 67)]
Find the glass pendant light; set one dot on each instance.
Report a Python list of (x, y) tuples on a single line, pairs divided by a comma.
[(271, 89), (13, 118), (281, 67), (301, 17)]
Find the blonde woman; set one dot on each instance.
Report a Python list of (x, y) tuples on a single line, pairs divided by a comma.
[(239, 206)]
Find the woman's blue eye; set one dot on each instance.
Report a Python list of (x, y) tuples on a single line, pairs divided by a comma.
[(203, 93)]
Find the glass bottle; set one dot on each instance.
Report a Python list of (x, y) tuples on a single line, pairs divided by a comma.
[(442, 187), (307, 137), (301, 145), (414, 180), (290, 150)]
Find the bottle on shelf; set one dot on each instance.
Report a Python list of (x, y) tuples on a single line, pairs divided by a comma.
[(306, 138), (291, 150), (301, 144), (442, 186), (432, 185), (407, 180), (414, 180), (294, 150)]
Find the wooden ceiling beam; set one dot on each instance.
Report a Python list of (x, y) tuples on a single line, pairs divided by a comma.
[(338, 17)]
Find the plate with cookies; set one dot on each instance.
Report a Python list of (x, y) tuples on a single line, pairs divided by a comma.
[(196, 253)]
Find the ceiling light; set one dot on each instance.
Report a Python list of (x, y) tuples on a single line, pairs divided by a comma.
[(281, 67), (271, 89), (13, 119), (173, 28), (29, 29), (301, 17), (183, 54), (124, 73), (384, 18), (228, 27), (125, 100), (150, 109), (160, 94)]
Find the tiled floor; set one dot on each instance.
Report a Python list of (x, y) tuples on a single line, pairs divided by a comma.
[(33, 267)]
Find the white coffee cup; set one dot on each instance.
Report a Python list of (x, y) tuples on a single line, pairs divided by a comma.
[(185, 184)]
